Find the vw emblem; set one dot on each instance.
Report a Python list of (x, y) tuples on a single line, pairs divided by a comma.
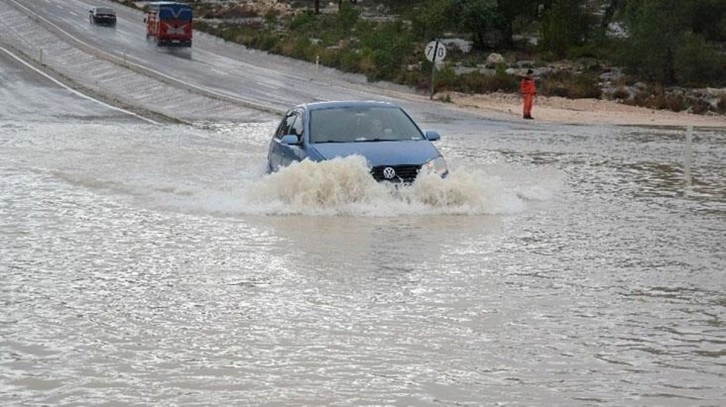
[(389, 172)]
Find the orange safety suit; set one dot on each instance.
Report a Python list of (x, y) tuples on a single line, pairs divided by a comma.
[(529, 90)]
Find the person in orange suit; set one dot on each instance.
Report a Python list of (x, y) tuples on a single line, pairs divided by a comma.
[(529, 91)]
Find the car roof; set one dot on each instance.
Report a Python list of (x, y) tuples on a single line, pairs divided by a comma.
[(157, 4), (342, 104), (104, 10)]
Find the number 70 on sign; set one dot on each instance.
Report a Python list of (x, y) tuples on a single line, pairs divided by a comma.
[(437, 49)]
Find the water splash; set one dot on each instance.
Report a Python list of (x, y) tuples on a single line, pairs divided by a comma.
[(343, 186), (197, 172)]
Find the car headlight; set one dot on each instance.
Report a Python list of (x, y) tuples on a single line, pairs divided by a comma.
[(436, 166)]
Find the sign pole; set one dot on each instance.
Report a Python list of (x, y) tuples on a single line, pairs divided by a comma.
[(433, 70)]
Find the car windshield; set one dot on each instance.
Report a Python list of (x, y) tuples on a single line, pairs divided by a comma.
[(361, 124), (104, 11)]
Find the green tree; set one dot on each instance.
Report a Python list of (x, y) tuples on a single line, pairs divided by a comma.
[(512, 10), (709, 19), (611, 8), (564, 25), (389, 46), (401, 5), (346, 18), (656, 29), (435, 17), (476, 18), (697, 64)]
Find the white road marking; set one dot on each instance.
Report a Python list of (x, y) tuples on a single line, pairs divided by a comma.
[(73, 90), (268, 85), (257, 104)]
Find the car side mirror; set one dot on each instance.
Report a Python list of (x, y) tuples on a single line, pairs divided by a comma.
[(290, 139), (432, 135)]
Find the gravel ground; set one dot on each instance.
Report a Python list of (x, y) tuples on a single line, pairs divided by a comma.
[(584, 111)]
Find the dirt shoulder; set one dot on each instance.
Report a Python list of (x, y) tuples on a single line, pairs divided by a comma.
[(583, 111)]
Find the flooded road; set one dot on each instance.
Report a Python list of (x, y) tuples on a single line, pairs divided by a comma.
[(558, 265), (155, 264)]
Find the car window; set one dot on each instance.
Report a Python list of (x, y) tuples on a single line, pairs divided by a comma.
[(297, 126), (356, 124), (284, 128)]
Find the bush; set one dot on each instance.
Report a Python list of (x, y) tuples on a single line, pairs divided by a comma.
[(500, 82), (697, 64), (699, 107), (284, 47), (301, 49), (656, 97), (416, 79), (621, 94), (721, 104), (349, 60), (266, 42), (445, 79), (202, 25), (586, 86), (331, 57), (570, 85), (302, 21), (367, 65), (474, 82), (675, 103)]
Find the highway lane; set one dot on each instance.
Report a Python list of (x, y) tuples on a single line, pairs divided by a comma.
[(126, 41), (254, 78), (119, 81), (27, 94)]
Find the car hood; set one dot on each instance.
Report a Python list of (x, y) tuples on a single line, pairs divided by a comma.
[(382, 152)]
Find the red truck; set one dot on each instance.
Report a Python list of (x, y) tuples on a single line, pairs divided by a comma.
[(169, 23)]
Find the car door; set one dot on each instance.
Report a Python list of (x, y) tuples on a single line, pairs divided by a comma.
[(282, 154)]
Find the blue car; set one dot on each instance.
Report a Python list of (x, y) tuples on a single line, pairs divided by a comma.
[(394, 146)]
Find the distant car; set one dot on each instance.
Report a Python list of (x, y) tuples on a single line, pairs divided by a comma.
[(394, 146), (102, 16)]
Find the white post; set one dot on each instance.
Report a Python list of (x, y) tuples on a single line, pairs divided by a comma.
[(688, 154)]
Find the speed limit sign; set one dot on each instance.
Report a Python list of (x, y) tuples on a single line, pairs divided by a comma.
[(435, 51)]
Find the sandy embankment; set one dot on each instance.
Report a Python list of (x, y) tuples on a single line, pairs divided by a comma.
[(583, 111)]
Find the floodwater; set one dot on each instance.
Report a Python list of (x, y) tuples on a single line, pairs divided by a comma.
[(148, 264), (156, 265)]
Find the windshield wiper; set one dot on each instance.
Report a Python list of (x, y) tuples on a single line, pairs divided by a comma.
[(331, 141)]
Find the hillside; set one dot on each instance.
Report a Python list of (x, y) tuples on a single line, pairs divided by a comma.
[(465, 78)]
